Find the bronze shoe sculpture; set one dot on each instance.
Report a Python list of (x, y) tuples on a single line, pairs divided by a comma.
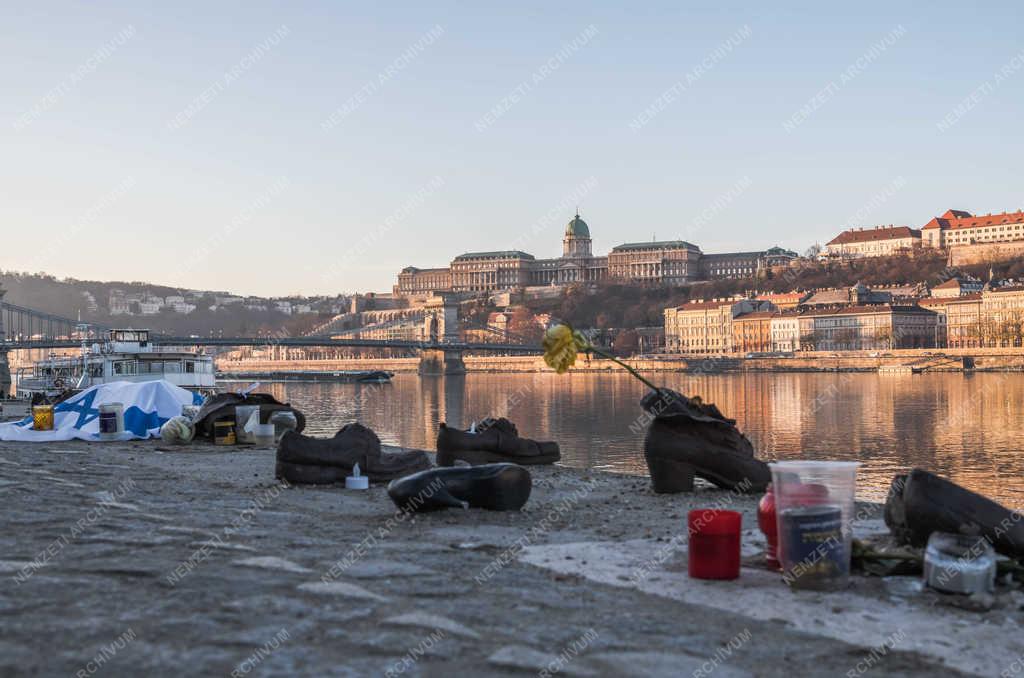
[(687, 438), (495, 441), (320, 461), (497, 487), (920, 503)]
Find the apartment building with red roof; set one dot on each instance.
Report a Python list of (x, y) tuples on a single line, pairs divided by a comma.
[(957, 227)]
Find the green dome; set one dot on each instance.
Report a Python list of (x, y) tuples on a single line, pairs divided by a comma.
[(578, 228)]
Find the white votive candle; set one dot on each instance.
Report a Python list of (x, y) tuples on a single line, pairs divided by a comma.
[(357, 481)]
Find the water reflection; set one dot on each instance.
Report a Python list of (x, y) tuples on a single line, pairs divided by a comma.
[(967, 427)]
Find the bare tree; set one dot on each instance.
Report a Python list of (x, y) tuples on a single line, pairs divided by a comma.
[(883, 335)]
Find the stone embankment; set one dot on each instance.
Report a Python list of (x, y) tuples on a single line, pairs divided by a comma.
[(135, 559), (934, 360)]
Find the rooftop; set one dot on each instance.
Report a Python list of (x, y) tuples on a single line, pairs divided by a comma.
[(783, 296), (731, 255), (976, 296), (951, 284), (755, 315), (707, 305), (577, 228), (655, 245), (864, 309), (413, 269), (501, 254)]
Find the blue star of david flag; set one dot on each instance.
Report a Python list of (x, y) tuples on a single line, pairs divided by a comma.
[(147, 406)]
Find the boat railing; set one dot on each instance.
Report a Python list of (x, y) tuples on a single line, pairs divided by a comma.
[(37, 384)]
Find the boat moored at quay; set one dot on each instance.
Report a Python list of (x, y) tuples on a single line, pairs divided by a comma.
[(124, 355)]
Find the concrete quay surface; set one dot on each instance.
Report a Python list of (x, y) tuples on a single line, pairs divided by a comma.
[(137, 559)]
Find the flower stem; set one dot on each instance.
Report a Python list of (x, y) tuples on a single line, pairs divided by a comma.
[(594, 349)]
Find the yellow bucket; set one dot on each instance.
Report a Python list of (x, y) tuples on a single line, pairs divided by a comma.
[(42, 417)]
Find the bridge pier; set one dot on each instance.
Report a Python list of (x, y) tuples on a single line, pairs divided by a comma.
[(5, 373), (437, 362), (5, 367)]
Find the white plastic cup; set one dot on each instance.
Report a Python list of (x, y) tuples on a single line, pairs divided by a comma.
[(243, 416), (814, 510), (263, 434)]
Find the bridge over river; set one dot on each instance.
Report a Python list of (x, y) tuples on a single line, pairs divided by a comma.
[(441, 350)]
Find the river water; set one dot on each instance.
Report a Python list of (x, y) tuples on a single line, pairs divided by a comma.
[(968, 427)]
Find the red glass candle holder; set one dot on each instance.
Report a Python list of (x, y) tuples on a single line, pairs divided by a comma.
[(767, 522), (714, 551)]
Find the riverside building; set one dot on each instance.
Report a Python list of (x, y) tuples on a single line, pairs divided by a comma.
[(707, 326), (751, 326)]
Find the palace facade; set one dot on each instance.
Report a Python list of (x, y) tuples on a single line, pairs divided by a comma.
[(660, 263)]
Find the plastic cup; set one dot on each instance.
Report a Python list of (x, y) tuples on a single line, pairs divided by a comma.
[(714, 550), (243, 415), (814, 503), (263, 434)]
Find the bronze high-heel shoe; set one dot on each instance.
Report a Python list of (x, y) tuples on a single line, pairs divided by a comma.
[(688, 438)]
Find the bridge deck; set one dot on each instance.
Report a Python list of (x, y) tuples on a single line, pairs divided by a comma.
[(292, 342)]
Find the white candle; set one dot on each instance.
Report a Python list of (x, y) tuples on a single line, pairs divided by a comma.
[(356, 481)]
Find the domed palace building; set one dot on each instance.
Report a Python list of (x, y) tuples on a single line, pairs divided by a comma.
[(656, 263), (577, 263)]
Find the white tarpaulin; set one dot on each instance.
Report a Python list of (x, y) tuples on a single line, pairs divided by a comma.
[(147, 405)]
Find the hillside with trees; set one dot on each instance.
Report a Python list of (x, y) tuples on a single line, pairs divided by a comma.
[(88, 300)]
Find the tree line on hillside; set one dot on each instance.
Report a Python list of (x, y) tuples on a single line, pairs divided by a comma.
[(67, 298)]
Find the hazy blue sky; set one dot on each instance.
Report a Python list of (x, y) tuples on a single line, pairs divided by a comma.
[(310, 167)]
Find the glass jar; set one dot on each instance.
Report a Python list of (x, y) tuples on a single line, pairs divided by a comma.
[(283, 422)]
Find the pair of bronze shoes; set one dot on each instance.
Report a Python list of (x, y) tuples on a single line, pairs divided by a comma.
[(687, 438), (303, 460), (492, 441)]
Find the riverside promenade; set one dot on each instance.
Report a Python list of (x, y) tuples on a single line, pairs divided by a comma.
[(134, 559), (917, 360)]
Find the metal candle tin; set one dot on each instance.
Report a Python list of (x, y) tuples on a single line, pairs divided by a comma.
[(957, 563), (42, 417), (812, 539), (224, 432)]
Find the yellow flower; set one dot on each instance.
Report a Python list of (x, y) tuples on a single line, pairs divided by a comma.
[(561, 344)]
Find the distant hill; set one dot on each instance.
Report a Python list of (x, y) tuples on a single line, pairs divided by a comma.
[(90, 301)]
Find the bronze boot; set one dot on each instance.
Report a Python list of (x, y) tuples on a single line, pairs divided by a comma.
[(687, 438)]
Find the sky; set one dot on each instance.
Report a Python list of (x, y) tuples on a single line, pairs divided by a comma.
[(320, 147)]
